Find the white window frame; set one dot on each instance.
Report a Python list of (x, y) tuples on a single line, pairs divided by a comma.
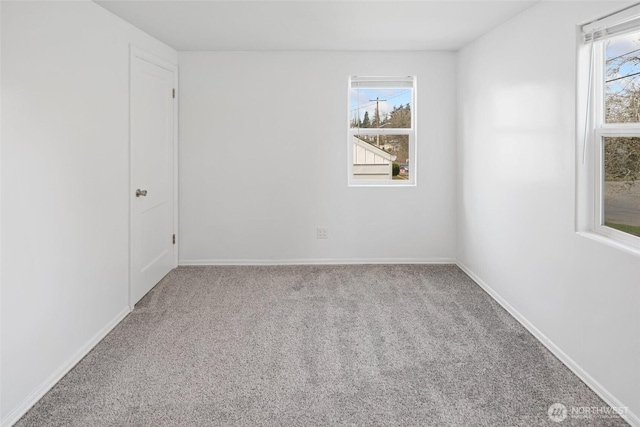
[(591, 162), (598, 168), (352, 132)]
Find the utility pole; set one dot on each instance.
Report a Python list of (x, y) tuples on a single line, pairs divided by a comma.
[(377, 118)]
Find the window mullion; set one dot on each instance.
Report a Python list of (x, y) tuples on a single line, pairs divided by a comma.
[(381, 131)]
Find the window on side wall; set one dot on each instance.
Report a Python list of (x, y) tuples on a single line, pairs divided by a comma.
[(613, 141), (382, 131)]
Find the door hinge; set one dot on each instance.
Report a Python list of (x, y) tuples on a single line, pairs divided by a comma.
[(173, 92), (174, 239)]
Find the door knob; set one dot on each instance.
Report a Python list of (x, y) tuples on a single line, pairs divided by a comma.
[(140, 192)]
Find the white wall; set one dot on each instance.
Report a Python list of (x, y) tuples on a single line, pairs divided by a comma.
[(516, 195), (65, 73), (64, 177), (0, 211), (263, 160)]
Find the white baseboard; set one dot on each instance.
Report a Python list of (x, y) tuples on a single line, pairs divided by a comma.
[(594, 385), (319, 261), (47, 384)]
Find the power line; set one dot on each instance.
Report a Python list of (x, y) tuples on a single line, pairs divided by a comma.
[(623, 77), (624, 89), (371, 103), (624, 54)]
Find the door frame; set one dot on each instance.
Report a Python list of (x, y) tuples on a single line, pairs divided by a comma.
[(138, 53)]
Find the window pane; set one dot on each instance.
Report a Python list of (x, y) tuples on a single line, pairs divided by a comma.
[(380, 108), (622, 79), (622, 184), (381, 157)]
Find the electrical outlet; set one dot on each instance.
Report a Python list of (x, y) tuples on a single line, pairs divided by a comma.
[(323, 233)]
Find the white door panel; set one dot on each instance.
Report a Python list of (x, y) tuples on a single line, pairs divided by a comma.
[(152, 163)]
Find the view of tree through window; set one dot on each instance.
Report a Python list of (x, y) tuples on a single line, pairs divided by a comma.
[(381, 109), (621, 155)]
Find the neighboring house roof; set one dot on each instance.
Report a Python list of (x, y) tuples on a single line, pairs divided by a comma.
[(377, 151)]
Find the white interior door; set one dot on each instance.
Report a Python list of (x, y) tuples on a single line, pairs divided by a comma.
[(152, 174)]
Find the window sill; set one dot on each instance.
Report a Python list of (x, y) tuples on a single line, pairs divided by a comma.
[(610, 242), (380, 184)]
